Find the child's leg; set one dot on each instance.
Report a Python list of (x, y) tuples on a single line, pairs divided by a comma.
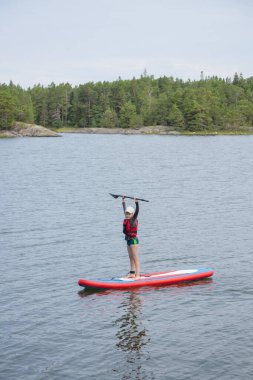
[(134, 254), (131, 258)]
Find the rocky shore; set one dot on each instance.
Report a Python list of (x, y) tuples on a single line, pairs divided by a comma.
[(149, 130), (28, 130), (33, 130), (157, 130)]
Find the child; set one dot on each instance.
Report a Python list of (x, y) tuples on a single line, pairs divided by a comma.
[(130, 228)]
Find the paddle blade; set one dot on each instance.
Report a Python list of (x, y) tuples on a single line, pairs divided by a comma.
[(114, 196)]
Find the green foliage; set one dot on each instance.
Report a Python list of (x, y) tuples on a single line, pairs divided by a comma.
[(109, 119), (39, 96), (8, 108), (175, 117), (129, 117), (193, 106), (25, 112)]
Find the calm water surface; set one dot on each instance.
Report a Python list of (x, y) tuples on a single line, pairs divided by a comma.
[(58, 224)]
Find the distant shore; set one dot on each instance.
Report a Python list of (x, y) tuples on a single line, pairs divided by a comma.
[(33, 130), (149, 130), (155, 130)]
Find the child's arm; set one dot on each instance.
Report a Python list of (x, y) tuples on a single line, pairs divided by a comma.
[(136, 211), (124, 205)]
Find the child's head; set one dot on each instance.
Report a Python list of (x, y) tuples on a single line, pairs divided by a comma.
[(129, 212)]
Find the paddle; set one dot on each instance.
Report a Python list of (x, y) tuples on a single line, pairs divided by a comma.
[(117, 196)]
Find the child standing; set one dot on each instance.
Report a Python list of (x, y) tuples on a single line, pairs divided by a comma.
[(130, 229)]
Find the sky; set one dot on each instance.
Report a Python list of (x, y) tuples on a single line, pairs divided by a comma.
[(80, 41)]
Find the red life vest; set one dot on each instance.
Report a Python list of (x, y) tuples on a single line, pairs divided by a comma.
[(129, 231)]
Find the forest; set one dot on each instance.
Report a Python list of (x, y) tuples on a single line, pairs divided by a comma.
[(210, 103)]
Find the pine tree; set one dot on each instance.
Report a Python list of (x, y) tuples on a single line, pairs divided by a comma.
[(8, 108), (109, 119), (175, 117), (129, 117)]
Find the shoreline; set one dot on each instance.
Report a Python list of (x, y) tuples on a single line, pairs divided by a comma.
[(32, 130), (156, 130), (149, 130)]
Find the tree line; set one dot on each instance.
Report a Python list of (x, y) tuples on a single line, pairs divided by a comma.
[(207, 104)]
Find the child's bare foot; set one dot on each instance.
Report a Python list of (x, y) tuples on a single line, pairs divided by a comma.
[(137, 277), (131, 274)]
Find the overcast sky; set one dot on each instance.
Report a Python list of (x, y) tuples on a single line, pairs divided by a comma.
[(77, 41)]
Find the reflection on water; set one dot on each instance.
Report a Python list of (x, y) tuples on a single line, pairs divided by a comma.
[(85, 292), (132, 336)]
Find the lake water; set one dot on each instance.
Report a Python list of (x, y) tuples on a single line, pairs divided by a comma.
[(59, 224)]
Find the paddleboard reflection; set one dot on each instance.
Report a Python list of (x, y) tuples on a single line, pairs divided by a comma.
[(132, 337)]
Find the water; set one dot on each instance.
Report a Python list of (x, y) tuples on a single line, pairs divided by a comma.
[(58, 224)]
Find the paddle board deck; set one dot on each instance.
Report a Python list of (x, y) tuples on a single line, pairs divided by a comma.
[(149, 279)]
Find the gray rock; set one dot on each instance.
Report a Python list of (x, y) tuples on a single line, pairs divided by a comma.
[(33, 130)]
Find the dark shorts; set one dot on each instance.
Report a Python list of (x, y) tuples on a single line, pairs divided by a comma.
[(133, 241)]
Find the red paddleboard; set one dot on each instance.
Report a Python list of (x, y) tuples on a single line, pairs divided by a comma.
[(149, 279)]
